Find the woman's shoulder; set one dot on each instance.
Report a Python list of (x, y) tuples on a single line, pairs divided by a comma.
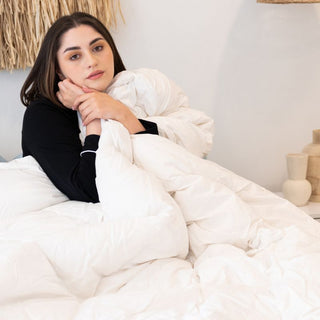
[(44, 114), (42, 106), (42, 117), (43, 103)]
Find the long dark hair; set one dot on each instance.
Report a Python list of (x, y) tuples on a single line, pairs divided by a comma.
[(43, 79)]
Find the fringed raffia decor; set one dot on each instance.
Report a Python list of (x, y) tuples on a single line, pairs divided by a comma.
[(23, 24), (288, 1)]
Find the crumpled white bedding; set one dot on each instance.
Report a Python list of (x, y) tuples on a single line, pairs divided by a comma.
[(175, 236)]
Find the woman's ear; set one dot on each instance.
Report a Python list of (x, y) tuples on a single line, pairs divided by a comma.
[(61, 76)]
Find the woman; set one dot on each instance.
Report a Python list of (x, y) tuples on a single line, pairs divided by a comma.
[(76, 62)]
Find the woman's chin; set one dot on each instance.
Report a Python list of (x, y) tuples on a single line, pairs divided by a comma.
[(96, 87)]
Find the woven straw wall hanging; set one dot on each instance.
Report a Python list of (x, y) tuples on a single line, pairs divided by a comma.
[(288, 1), (23, 24)]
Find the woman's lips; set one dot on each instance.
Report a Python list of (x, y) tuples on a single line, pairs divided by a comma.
[(95, 75)]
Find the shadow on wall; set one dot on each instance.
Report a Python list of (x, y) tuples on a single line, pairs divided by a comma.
[(267, 95)]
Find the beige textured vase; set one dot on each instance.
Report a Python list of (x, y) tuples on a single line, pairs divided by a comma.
[(297, 189), (313, 172)]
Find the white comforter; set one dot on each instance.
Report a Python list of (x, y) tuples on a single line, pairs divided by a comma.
[(174, 237)]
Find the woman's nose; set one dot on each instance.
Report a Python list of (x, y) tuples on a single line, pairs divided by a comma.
[(91, 60)]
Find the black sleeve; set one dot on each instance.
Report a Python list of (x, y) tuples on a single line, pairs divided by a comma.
[(151, 127), (51, 135)]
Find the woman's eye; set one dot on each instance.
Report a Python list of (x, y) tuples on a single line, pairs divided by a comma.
[(75, 57), (98, 48)]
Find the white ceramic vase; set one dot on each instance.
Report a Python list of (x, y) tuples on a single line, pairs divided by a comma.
[(297, 189)]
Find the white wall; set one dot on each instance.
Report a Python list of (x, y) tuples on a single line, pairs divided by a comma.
[(253, 67), (11, 113)]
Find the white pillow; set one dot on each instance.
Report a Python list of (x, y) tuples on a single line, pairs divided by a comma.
[(24, 187)]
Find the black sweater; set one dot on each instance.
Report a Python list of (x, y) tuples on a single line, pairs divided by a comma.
[(51, 135)]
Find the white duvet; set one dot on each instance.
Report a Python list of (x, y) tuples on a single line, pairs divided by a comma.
[(174, 236)]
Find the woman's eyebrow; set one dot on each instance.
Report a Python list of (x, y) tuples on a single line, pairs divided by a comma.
[(95, 40), (77, 48)]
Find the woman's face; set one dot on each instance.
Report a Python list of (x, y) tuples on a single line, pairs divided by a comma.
[(85, 58)]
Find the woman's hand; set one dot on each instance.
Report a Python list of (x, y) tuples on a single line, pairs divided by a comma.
[(99, 105), (68, 92)]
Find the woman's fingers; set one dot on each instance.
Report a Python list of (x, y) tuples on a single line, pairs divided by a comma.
[(69, 85), (80, 99), (87, 90), (88, 111), (59, 96), (98, 105), (68, 92), (89, 118)]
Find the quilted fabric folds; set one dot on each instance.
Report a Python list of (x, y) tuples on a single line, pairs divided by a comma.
[(174, 236)]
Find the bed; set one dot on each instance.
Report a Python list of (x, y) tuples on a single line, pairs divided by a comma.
[(175, 236)]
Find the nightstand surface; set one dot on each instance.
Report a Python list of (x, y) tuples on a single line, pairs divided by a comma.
[(312, 209)]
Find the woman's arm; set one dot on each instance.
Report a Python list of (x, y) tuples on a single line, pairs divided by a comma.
[(94, 127), (51, 135), (99, 105), (93, 104)]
